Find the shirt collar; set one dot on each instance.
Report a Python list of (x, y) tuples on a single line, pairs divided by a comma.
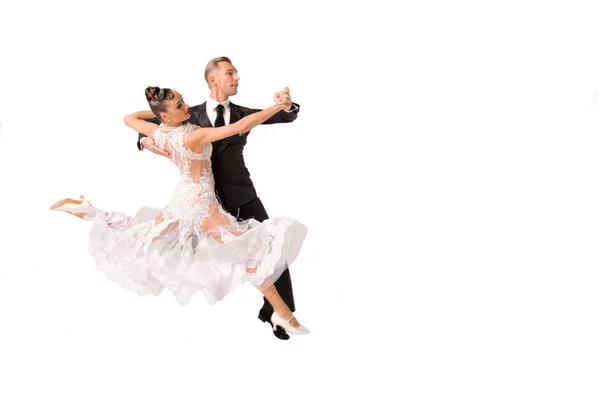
[(212, 104)]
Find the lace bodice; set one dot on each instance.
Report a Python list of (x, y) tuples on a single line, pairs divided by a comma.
[(195, 168), (194, 198)]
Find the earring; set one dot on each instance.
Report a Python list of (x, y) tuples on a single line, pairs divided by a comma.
[(168, 120)]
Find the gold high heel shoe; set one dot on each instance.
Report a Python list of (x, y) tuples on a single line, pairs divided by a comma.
[(277, 320), (76, 207)]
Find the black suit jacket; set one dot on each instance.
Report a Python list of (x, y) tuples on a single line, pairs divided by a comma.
[(232, 179)]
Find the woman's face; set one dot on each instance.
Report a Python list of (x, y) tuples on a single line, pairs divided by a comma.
[(177, 110)]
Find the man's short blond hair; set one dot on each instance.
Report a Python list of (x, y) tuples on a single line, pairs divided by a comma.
[(213, 65)]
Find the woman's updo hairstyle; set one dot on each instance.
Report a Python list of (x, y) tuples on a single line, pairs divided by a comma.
[(157, 99)]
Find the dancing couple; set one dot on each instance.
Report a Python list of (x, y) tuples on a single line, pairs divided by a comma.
[(214, 234)]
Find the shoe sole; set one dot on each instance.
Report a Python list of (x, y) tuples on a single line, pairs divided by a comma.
[(65, 201)]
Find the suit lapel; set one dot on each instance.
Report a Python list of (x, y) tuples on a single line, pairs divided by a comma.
[(235, 114), (201, 116)]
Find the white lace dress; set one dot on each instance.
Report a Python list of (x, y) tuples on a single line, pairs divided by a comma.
[(192, 244)]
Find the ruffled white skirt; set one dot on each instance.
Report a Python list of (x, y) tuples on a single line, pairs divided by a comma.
[(146, 257)]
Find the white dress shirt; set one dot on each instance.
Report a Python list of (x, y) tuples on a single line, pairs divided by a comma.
[(211, 111)]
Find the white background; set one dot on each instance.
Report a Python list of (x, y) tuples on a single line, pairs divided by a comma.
[(445, 160)]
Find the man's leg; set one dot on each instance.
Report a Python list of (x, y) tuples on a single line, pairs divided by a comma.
[(256, 210)]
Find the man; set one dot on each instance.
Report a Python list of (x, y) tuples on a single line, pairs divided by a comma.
[(232, 180)]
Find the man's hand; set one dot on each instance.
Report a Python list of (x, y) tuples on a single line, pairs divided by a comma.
[(149, 144), (283, 99)]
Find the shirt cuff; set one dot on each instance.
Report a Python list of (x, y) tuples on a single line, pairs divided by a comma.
[(294, 107), (142, 148)]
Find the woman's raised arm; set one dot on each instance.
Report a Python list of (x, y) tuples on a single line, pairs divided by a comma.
[(195, 139), (137, 122)]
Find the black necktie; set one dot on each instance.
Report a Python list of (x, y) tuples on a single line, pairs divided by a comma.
[(220, 121)]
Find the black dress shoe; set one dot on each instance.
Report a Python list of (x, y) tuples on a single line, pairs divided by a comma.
[(279, 332)]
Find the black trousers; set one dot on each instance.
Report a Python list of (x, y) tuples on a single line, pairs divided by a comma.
[(255, 209)]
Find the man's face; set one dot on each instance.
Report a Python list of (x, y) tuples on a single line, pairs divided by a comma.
[(227, 79)]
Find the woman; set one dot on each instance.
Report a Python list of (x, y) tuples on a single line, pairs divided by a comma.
[(192, 244)]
